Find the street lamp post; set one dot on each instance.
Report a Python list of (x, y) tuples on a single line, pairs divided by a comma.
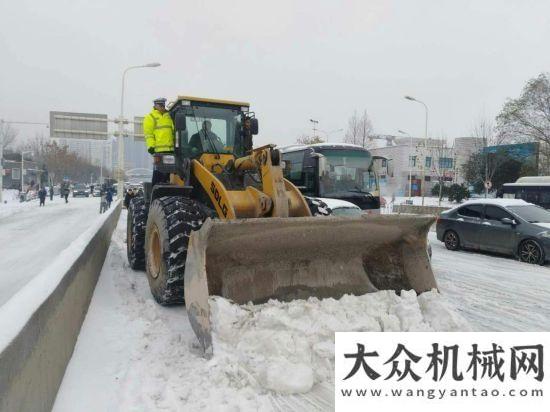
[(23, 167), (327, 134), (121, 122), (410, 158), (315, 123), (425, 144)]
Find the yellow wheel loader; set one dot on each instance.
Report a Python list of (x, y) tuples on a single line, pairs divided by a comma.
[(226, 222)]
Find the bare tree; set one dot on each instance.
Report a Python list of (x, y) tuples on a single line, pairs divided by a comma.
[(305, 139), (359, 130), (487, 136), (7, 134), (527, 118), (440, 152)]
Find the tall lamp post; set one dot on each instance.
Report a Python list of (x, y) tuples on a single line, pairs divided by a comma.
[(327, 134), (314, 123), (121, 122), (425, 144), (410, 158), (23, 167)]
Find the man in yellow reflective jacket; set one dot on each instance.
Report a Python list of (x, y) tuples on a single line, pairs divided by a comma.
[(158, 129)]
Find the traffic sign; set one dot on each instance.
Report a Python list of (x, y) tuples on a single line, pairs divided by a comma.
[(69, 125), (488, 185)]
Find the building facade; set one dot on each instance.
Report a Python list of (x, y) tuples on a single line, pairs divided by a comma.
[(415, 167)]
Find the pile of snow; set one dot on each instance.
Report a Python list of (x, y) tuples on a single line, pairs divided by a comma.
[(11, 205), (133, 354), (10, 195), (288, 347), (417, 201)]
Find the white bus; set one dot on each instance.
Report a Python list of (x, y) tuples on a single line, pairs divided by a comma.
[(532, 189)]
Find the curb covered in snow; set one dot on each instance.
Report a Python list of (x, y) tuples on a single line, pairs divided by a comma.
[(40, 324)]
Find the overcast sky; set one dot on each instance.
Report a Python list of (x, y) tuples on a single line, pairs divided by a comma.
[(292, 60)]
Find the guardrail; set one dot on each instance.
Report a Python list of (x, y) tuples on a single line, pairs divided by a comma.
[(39, 325)]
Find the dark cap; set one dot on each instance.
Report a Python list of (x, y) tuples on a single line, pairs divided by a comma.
[(160, 100)]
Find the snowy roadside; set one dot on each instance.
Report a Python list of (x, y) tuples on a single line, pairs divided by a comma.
[(494, 293), (16, 311), (12, 204), (134, 355)]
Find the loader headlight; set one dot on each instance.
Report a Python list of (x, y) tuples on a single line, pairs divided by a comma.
[(169, 160)]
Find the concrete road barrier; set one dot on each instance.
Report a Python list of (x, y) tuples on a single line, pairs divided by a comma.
[(419, 210), (40, 325)]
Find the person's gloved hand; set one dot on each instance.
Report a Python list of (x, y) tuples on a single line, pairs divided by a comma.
[(151, 150)]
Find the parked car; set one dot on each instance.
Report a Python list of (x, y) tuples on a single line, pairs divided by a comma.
[(97, 192), (341, 207), (506, 226), (80, 189)]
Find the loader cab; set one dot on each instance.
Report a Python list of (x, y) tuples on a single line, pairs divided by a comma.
[(212, 126), (337, 171)]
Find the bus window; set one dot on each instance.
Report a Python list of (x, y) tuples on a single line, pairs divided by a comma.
[(294, 167), (531, 195)]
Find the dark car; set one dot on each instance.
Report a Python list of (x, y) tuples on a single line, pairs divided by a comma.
[(80, 189), (506, 226)]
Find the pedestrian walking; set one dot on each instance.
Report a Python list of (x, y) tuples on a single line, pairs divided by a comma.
[(42, 195), (103, 201), (109, 197), (65, 191)]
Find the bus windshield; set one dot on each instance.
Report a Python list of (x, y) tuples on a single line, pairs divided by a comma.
[(347, 172)]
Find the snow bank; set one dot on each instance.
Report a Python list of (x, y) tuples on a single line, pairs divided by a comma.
[(287, 347), (15, 313), (12, 205)]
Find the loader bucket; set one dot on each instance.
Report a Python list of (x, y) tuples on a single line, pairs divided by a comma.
[(254, 260)]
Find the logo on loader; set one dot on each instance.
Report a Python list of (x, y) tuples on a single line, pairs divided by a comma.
[(218, 198)]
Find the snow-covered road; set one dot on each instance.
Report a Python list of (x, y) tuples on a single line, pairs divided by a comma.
[(494, 293), (31, 238)]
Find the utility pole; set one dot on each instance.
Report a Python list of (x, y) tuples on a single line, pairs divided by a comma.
[(425, 145), (315, 123), (121, 122), (410, 160), (327, 134), (23, 167)]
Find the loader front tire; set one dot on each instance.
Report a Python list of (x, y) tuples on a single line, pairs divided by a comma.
[(135, 233), (169, 225)]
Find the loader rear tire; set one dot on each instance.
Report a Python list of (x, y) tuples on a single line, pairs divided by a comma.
[(135, 233), (171, 220)]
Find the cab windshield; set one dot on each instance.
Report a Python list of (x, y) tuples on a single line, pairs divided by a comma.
[(347, 172), (212, 130)]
